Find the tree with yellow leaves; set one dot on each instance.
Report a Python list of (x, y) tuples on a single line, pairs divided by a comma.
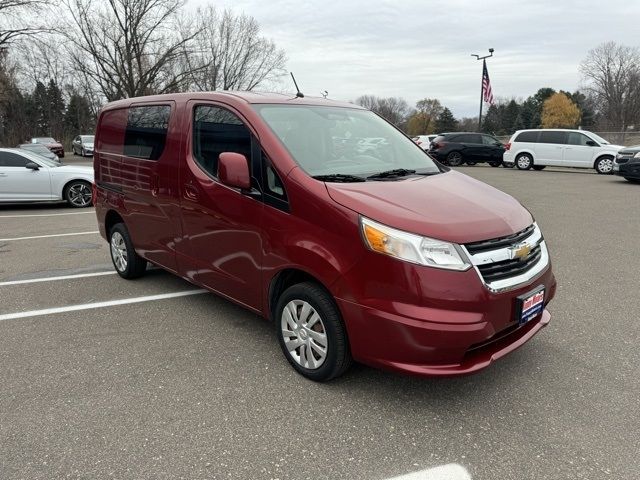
[(558, 111)]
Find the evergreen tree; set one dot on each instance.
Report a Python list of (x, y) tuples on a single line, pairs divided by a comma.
[(78, 118), (509, 118), (491, 123), (40, 111), (55, 110), (446, 122)]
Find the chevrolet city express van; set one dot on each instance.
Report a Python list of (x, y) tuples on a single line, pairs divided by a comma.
[(559, 148), (384, 257)]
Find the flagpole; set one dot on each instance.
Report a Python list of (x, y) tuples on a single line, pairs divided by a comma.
[(484, 63)]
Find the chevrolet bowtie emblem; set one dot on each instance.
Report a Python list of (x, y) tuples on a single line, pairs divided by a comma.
[(520, 252)]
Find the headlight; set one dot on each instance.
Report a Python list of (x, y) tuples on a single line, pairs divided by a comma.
[(412, 248), (637, 155)]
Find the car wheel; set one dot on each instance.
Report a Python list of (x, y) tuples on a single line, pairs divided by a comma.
[(524, 161), (83, 153), (78, 194), (311, 333), (604, 165), (454, 159), (126, 261), (495, 164), (539, 167)]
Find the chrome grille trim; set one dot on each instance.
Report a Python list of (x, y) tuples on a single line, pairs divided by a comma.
[(503, 254)]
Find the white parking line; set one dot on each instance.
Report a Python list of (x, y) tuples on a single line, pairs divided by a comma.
[(48, 214), (52, 279), (48, 236), (452, 471), (89, 306)]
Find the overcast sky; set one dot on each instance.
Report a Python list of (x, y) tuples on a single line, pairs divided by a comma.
[(416, 49)]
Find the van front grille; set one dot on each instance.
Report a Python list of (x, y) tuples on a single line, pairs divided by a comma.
[(510, 268)]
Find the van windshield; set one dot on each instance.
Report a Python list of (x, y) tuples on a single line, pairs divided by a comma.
[(344, 141), (599, 139)]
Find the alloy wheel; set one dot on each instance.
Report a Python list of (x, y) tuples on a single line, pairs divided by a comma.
[(80, 194), (524, 162), (605, 165), (119, 251), (304, 334)]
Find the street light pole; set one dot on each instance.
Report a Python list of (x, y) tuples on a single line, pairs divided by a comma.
[(478, 57)]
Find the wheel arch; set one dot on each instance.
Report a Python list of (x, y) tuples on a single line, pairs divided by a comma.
[(111, 218), (70, 181), (286, 278), (601, 156)]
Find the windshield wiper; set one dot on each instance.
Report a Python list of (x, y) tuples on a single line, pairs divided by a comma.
[(397, 172), (339, 177)]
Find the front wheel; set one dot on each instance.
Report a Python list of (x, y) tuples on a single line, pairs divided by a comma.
[(311, 332), (83, 153), (604, 165), (524, 161), (78, 194), (454, 159), (127, 262)]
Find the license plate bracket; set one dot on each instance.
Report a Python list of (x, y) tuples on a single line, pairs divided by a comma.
[(530, 305)]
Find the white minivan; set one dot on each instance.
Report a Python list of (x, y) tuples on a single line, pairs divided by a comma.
[(559, 148)]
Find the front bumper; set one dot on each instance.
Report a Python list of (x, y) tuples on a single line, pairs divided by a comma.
[(630, 169), (432, 322)]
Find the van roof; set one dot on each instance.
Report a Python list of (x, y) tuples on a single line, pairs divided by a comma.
[(233, 97)]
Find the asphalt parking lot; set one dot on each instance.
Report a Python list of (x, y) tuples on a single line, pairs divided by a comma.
[(183, 384)]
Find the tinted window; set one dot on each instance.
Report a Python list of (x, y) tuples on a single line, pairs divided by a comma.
[(471, 138), (12, 160), (216, 130), (487, 140), (553, 137), (146, 131), (576, 138), (530, 137)]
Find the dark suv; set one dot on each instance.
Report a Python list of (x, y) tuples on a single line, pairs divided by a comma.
[(457, 148)]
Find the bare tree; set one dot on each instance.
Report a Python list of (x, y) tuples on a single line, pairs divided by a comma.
[(229, 53), (612, 73), (12, 25), (41, 60), (127, 48), (393, 109)]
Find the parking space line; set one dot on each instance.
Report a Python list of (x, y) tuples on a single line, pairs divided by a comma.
[(48, 214), (48, 236), (52, 279), (90, 306)]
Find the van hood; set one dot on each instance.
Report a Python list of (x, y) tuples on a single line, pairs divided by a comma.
[(449, 206)]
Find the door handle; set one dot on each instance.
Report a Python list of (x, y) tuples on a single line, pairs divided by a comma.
[(190, 191)]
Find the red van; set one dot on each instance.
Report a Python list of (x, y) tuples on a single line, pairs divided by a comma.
[(326, 219)]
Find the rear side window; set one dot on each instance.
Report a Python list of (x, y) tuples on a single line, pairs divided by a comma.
[(146, 131), (576, 138), (216, 130), (471, 138), (487, 140), (553, 137), (529, 137), (8, 159)]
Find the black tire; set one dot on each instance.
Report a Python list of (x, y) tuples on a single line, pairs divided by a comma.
[(507, 165), (83, 153), (604, 165), (78, 194), (539, 167), (121, 248), (337, 354), (496, 163), (454, 159), (632, 180), (524, 161)]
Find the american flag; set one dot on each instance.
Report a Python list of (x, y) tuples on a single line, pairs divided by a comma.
[(487, 94)]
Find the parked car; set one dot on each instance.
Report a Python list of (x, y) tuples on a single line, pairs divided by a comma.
[(560, 148), (627, 164), (457, 148), (392, 260), (83, 145), (28, 177), (424, 140), (40, 150), (53, 145)]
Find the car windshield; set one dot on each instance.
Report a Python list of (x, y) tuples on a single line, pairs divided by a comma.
[(86, 138), (343, 141), (44, 140), (39, 159), (599, 139)]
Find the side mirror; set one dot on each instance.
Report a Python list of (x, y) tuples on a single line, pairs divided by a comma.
[(233, 170), (32, 166), (591, 143)]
